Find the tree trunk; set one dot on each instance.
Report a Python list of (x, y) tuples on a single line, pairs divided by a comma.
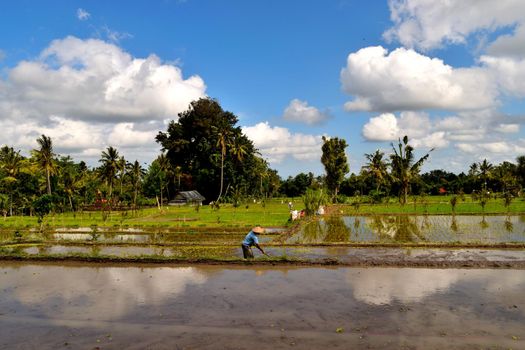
[(222, 178), (48, 179)]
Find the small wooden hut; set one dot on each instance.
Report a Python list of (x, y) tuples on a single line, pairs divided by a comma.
[(187, 197)]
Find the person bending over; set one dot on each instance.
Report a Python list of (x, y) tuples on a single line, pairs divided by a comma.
[(251, 240)]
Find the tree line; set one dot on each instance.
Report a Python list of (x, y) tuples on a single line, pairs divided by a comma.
[(399, 174), (205, 150)]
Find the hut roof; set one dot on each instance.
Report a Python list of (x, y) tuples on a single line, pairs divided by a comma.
[(192, 196)]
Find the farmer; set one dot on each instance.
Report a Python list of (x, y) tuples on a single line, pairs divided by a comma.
[(251, 240)]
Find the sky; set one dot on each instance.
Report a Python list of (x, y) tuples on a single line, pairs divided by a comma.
[(92, 74)]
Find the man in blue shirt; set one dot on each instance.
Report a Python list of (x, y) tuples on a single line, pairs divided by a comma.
[(251, 240)]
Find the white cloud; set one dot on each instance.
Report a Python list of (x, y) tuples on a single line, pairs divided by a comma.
[(417, 126), (276, 143), (381, 128), (124, 134), (88, 94), (299, 111), (406, 80), (82, 14), (427, 24), (508, 72)]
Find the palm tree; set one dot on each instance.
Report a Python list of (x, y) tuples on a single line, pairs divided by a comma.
[(376, 167), (110, 164), (485, 169), (71, 181), (165, 171), (223, 140), (10, 163), (45, 158), (121, 167), (136, 174), (404, 169)]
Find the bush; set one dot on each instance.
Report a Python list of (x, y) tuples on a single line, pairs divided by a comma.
[(313, 199), (43, 206), (376, 196)]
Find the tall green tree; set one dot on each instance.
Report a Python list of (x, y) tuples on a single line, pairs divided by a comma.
[(223, 142), (164, 175), (520, 170), (199, 143), (404, 169), (485, 172), (110, 160), (136, 174), (45, 158), (10, 164), (335, 163), (376, 167)]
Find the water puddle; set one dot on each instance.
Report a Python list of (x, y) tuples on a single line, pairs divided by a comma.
[(136, 307)]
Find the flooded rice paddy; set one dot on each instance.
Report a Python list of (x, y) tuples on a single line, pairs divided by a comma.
[(412, 228), (82, 306)]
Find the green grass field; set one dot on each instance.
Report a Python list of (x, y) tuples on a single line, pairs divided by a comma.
[(271, 213)]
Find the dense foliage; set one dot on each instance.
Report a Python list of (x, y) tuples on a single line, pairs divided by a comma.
[(206, 150), (213, 155)]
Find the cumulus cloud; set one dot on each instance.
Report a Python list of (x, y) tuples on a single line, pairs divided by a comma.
[(276, 143), (508, 72), (428, 24), (387, 127), (498, 151), (88, 94), (406, 80), (299, 111), (82, 14)]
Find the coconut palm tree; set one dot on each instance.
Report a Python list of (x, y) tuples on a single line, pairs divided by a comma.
[(10, 163), (376, 167), (404, 169), (110, 164), (136, 173), (485, 169), (45, 158), (223, 141), (164, 174)]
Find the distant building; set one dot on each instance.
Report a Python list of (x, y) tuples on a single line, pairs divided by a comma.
[(187, 197)]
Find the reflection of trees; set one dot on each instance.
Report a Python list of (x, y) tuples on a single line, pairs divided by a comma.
[(336, 230), (484, 224), (454, 224), (330, 229), (312, 232), (402, 228), (95, 250), (509, 226)]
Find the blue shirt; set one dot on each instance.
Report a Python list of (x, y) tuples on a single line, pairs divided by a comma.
[(250, 239)]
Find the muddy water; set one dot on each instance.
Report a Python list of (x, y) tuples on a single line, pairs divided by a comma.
[(114, 307), (410, 228)]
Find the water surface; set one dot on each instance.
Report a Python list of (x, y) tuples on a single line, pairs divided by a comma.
[(73, 306)]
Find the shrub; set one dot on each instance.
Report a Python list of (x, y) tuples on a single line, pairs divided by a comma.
[(313, 199)]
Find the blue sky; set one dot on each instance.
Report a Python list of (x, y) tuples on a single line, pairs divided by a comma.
[(92, 74)]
